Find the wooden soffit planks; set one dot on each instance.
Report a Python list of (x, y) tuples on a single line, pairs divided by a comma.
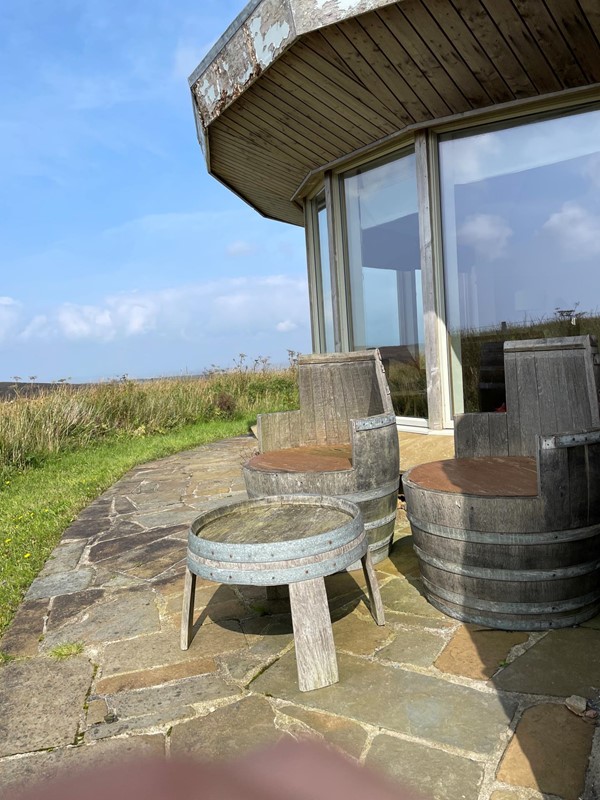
[(347, 85)]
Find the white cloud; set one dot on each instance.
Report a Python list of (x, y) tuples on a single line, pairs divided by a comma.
[(576, 230), (241, 307), (286, 326), (10, 311), (487, 234), (240, 248)]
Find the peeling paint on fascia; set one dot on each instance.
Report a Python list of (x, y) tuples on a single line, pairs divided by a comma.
[(341, 5), (207, 91), (269, 43)]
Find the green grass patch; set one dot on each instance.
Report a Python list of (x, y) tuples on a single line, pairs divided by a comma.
[(38, 504), (62, 651)]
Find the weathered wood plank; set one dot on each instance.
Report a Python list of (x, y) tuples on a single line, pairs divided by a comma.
[(304, 105), (352, 91), (538, 73), (412, 79), (422, 20), (424, 58), (481, 62), (303, 119), (313, 637), (334, 114), (373, 589), (578, 486), (394, 66), (187, 612), (591, 9), (491, 39), (578, 36), (348, 39), (548, 36), (340, 100)]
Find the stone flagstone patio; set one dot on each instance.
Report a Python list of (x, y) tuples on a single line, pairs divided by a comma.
[(455, 711)]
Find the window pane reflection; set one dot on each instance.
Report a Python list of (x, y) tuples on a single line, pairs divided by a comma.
[(384, 275), (521, 232), (327, 310)]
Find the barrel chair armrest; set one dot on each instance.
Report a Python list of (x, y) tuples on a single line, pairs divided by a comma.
[(375, 449), (569, 477), (279, 430), (481, 434)]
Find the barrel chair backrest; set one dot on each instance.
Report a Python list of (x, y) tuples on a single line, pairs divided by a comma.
[(551, 388), (337, 387)]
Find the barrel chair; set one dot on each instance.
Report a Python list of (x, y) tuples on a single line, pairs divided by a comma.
[(342, 442), (508, 533)]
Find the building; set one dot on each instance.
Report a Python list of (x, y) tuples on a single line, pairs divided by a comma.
[(444, 158)]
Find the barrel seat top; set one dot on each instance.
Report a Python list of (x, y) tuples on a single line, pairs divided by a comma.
[(308, 458), (260, 523), (494, 476)]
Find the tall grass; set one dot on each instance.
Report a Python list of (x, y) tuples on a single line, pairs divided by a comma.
[(67, 417)]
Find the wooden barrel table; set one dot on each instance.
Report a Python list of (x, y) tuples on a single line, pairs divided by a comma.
[(284, 540)]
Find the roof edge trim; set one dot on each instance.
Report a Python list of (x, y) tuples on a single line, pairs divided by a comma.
[(223, 40)]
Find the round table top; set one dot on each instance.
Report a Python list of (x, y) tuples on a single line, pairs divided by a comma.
[(293, 536)]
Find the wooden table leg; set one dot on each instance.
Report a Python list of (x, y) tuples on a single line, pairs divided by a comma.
[(315, 650), (373, 589), (187, 612)]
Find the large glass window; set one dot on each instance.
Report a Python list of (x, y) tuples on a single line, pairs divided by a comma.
[(384, 274), (521, 235)]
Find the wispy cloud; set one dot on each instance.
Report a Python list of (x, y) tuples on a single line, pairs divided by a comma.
[(245, 307), (487, 234), (576, 230), (10, 311), (240, 248)]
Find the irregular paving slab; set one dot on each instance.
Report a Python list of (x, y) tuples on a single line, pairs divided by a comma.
[(227, 732), (151, 560), (549, 752), (162, 649), (60, 583), (402, 560), (65, 557), (404, 596), (399, 700), (357, 635), (432, 772), (156, 676), (347, 736), (42, 767), (122, 615), (86, 526), (167, 703), (41, 702), (413, 647), (478, 653), (176, 515), (563, 663), (23, 635), (125, 544), (67, 607)]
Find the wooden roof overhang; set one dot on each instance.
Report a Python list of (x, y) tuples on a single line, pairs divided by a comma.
[(296, 84)]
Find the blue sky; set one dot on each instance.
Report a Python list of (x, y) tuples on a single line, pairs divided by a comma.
[(119, 254)]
